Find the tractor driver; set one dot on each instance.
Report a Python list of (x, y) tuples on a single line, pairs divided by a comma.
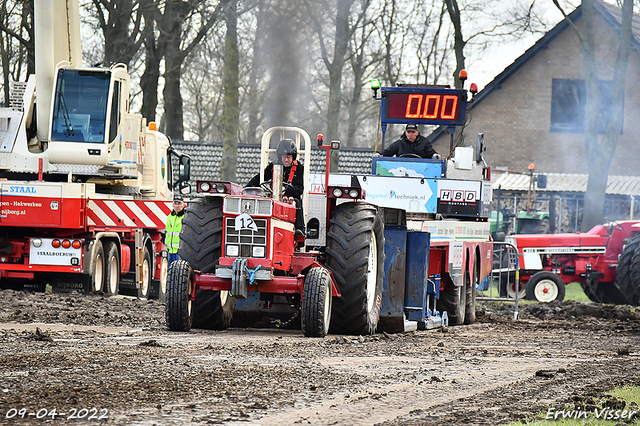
[(412, 142), (287, 154)]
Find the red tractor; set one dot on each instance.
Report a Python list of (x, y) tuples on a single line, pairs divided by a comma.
[(239, 251), (605, 261)]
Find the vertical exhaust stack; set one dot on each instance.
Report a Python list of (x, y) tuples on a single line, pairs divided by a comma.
[(57, 39)]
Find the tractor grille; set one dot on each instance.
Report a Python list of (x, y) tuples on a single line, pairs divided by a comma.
[(252, 206), (249, 243)]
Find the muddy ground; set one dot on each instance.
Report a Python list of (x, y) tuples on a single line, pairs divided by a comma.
[(115, 358)]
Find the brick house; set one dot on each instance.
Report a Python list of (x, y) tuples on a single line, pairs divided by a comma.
[(533, 112)]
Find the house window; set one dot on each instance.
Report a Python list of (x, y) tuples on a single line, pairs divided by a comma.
[(568, 101)]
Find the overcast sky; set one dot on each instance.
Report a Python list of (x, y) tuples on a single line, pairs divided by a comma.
[(485, 67)]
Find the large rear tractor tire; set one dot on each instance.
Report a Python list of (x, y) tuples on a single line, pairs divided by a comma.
[(602, 292), (200, 246), (355, 255), (545, 286), (316, 303), (633, 290), (625, 279), (178, 307)]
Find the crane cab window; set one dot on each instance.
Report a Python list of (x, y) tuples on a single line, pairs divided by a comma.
[(80, 106)]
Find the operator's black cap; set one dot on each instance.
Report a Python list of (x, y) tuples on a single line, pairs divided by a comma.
[(412, 127), (178, 197)]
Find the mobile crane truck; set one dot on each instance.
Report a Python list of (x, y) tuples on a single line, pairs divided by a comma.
[(86, 186)]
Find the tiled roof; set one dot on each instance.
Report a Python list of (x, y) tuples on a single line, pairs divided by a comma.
[(564, 182), (206, 157)]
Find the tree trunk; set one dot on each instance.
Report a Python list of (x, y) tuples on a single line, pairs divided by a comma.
[(335, 74), (154, 51), (600, 151), (458, 40), (230, 109)]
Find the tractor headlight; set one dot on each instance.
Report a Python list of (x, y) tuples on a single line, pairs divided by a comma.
[(221, 188), (258, 251), (232, 251), (353, 193), (205, 187), (337, 192)]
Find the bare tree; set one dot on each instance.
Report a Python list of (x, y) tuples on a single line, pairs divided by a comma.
[(121, 25), (16, 42)]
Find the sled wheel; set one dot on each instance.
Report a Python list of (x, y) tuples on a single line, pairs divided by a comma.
[(200, 246), (545, 287), (454, 301), (355, 256), (472, 285), (178, 307), (112, 269)]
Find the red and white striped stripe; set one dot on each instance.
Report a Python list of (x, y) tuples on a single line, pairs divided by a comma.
[(128, 213)]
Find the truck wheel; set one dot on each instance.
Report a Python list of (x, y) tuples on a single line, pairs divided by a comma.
[(355, 255), (143, 291), (112, 269), (454, 301), (97, 276), (624, 271), (545, 286), (200, 246), (316, 303), (179, 309)]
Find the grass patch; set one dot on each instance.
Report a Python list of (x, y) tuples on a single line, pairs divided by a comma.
[(574, 291), (620, 406)]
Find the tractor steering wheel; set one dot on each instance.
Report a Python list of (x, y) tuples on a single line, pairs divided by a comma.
[(266, 186), (410, 156)]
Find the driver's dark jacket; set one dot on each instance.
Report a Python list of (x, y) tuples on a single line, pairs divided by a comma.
[(297, 182), (421, 147)]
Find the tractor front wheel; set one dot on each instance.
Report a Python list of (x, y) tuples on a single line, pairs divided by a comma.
[(545, 287), (178, 306), (316, 303)]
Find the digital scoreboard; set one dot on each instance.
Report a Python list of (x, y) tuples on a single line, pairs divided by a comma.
[(424, 105)]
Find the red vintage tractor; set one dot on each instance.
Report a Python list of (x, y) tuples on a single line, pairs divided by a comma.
[(239, 252), (605, 261)]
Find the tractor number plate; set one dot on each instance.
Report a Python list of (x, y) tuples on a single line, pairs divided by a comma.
[(244, 221)]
